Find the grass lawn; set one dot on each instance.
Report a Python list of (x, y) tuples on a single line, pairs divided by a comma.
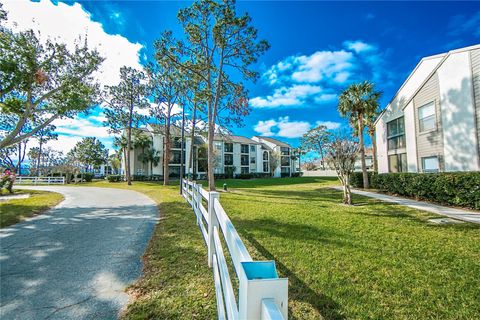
[(16, 210), (371, 260)]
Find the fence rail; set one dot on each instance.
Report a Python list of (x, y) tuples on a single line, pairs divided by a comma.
[(262, 294), (39, 180)]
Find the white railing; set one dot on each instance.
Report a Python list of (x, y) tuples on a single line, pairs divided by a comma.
[(261, 293), (39, 180)]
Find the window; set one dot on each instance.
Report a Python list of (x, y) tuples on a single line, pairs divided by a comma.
[(175, 157), (430, 164), (244, 160), (285, 170), (218, 146), (228, 160), (253, 148), (228, 147), (174, 172), (244, 148), (176, 143), (244, 170), (426, 117), (252, 160), (265, 155), (396, 134), (285, 151), (202, 163), (285, 161), (265, 167), (397, 162)]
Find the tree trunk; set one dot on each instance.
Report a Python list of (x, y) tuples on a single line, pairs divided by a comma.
[(40, 145), (362, 151), (192, 138), (166, 161), (19, 164), (323, 160), (212, 115), (374, 147), (129, 144)]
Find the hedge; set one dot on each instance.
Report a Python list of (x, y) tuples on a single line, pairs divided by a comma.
[(451, 188), (114, 178)]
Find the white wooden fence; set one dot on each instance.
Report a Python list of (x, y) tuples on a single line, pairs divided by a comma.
[(39, 180), (262, 294)]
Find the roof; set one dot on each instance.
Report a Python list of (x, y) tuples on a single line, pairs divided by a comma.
[(275, 141), (235, 139), (444, 56)]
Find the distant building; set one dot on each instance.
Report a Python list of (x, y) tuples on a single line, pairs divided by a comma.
[(432, 123), (234, 155)]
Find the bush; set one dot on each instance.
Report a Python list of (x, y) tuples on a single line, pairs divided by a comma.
[(244, 176), (356, 179), (143, 177), (451, 188), (114, 178), (297, 174), (88, 176)]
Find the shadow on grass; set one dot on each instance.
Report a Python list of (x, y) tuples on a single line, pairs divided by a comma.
[(298, 289)]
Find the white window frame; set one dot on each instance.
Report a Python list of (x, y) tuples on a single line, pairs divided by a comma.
[(434, 116), (431, 170)]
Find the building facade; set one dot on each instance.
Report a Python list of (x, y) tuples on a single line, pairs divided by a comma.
[(432, 124), (234, 155)]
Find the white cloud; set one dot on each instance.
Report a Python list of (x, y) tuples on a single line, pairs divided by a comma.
[(264, 128), (292, 129), (284, 128), (322, 65), (331, 125), (81, 127), (286, 96), (67, 23), (359, 46)]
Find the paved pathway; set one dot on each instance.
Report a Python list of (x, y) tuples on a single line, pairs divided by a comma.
[(459, 214), (75, 261)]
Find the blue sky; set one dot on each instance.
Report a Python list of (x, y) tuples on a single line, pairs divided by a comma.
[(317, 49)]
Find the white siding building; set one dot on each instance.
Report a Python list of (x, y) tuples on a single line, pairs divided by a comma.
[(433, 122), (235, 155)]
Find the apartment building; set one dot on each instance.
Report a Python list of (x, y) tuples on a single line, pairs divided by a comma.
[(234, 155), (432, 124)]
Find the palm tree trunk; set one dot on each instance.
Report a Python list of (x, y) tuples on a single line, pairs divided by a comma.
[(374, 150), (362, 151)]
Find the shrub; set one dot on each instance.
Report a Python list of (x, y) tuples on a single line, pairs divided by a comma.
[(88, 176), (451, 188), (244, 176), (297, 174), (356, 179), (114, 178)]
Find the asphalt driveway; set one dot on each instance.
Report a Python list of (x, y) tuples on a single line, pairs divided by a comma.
[(75, 261)]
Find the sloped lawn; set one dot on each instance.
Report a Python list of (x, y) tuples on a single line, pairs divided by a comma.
[(370, 261), (16, 210)]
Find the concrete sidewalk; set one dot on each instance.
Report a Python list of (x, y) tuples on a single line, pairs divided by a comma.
[(459, 214)]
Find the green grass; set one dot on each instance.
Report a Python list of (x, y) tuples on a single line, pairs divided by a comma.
[(371, 260), (16, 210)]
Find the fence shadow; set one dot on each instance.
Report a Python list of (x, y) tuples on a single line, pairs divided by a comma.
[(298, 289)]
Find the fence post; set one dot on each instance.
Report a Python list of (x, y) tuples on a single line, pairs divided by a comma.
[(261, 291), (212, 222)]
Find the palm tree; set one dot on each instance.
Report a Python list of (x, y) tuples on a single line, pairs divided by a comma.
[(144, 142), (370, 124), (153, 157), (121, 144), (357, 102)]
